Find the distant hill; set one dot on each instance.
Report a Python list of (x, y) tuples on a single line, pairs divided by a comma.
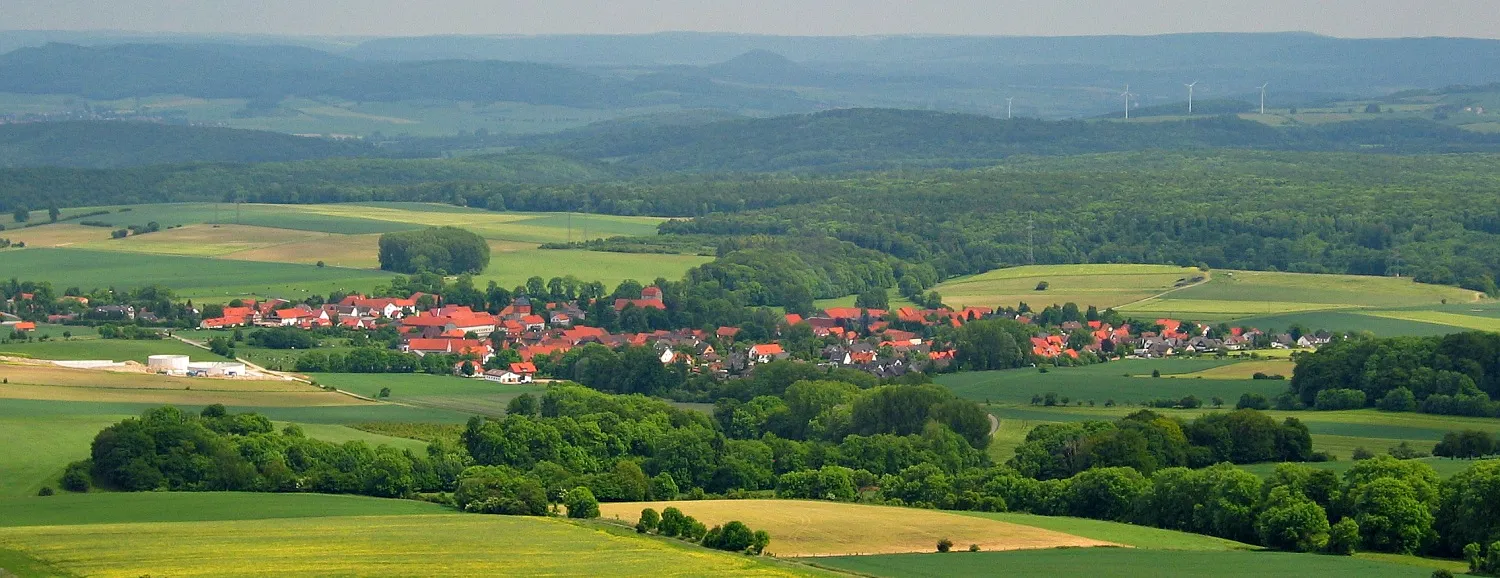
[(126, 144), (877, 139), (1207, 107), (271, 73)]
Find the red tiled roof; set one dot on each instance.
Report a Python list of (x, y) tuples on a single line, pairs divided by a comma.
[(766, 349), (523, 368)]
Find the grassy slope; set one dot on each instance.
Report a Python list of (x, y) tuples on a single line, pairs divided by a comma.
[(410, 545), (1120, 562), (463, 395), (1106, 381), (1237, 294), (112, 349), (1124, 534), (1100, 285), (117, 508)]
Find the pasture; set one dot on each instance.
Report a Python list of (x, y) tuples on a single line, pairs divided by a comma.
[(814, 528), (1129, 535), (470, 396), (1121, 562), (125, 507), (403, 545), (1103, 286), (90, 347), (1121, 381), (1236, 294)]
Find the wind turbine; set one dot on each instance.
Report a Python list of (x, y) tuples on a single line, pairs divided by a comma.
[(1190, 96), (1126, 94), (1263, 97), (1008, 102)]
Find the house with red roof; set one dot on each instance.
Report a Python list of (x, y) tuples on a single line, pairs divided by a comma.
[(766, 353), (23, 326), (517, 373), (651, 298)]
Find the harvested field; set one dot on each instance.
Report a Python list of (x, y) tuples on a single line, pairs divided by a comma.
[(136, 376), (189, 397), (207, 240), (811, 528)]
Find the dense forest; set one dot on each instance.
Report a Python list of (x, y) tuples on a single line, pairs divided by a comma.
[(880, 139)]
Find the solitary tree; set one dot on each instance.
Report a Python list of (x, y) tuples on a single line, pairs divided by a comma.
[(581, 503), (22, 214)]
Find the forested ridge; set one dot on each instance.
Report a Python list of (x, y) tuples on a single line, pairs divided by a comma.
[(127, 144)]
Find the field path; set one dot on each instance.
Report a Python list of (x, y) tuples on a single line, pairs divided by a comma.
[(994, 423), (1207, 276)]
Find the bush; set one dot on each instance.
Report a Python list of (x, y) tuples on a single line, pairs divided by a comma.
[(944, 545), (45, 491), (1399, 399), (672, 523), (1253, 401), (77, 478), (1361, 454), (1343, 537), (1042, 286), (648, 522), (1339, 399), (580, 503), (973, 547)]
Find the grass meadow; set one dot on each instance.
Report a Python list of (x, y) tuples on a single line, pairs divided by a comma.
[(1099, 285), (1121, 381), (1121, 562), (402, 545), (817, 528), (470, 396), (66, 509)]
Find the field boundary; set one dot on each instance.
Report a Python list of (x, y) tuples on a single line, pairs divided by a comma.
[(1207, 276)]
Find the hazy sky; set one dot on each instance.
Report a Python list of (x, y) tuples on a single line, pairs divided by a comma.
[(1350, 18)]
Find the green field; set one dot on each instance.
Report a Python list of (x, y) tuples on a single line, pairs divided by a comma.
[(1106, 381), (1099, 285), (123, 507), (1235, 294), (1123, 562), (191, 277), (471, 396), (80, 348), (333, 414), (1143, 537), (402, 545)]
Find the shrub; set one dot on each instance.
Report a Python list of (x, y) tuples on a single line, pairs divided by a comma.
[(1041, 286), (1361, 454), (1156, 373), (1399, 399), (1339, 399), (672, 523), (581, 503), (649, 521), (973, 547), (45, 491), (77, 478), (944, 545), (1253, 401), (1343, 537)]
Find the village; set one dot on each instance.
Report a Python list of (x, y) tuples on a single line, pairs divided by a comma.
[(508, 346)]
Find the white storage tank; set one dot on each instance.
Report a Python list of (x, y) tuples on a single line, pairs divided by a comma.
[(167, 363)]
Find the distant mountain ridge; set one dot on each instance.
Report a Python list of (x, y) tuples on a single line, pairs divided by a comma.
[(112, 144)]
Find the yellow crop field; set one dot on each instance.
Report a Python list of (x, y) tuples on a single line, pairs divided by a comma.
[(416, 545), (810, 528), (58, 235), (1241, 370), (207, 240), (1100, 285)]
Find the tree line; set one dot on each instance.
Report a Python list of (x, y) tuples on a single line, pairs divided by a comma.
[(1455, 374)]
